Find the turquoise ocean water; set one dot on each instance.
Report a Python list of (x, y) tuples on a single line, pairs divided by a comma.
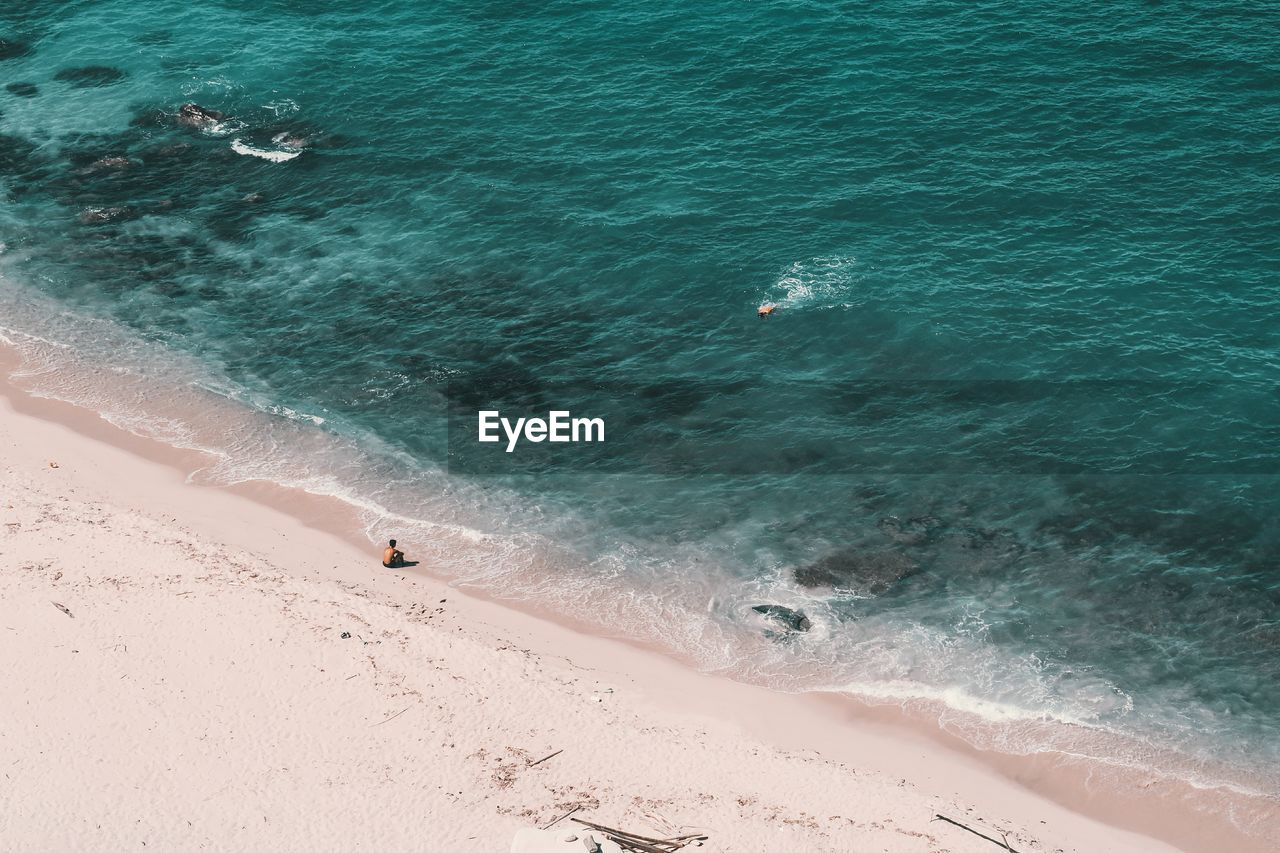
[(1010, 441)]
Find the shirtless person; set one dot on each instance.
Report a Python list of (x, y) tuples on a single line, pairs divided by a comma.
[(391, 558)]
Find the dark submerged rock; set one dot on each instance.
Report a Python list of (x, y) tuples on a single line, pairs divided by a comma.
[(152, 117), (12, 48), (23, 90), (170, 289), (1076, 531), (792, 620), (16, 154), (913, 531), (1265, 636), (168, 152), (90, 76), (126, 261), (155, 37), (867, 572), (989, 539)]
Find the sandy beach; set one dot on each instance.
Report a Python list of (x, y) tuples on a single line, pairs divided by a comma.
[(191, 669)]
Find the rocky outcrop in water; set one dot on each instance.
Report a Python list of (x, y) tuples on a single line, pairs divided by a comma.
[(294, 133), (104, 215), (792, 620), (90, 76), (194, 115), (864, 572), (109, 164)]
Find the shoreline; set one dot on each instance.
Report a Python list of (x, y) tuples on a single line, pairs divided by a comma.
[(883, 740)]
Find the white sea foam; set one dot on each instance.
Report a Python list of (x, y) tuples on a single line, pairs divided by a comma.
[(824, 282), (222, 128), (282, 106), (264, 154), (286, 412), (958, 699)]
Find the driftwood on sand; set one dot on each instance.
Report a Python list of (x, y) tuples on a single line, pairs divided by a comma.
[(1002, 843), (546, 758), (641, 843), (573, 810)]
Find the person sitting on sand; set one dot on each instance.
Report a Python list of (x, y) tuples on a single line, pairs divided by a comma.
[(391, 558)]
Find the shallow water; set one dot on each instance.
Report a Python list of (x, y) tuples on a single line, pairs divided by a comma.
[(1014, 421)]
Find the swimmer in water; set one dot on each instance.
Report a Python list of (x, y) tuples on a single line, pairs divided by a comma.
[(765, 310)]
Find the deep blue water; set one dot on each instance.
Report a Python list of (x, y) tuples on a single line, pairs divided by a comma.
[(1010, 439)]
